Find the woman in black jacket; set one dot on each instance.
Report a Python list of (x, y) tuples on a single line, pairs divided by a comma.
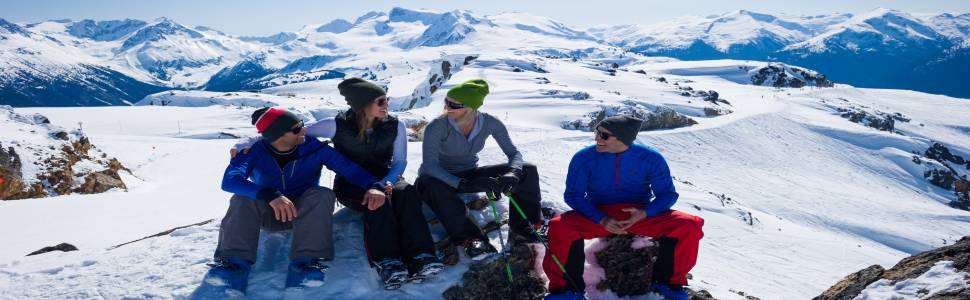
[(396, 235)]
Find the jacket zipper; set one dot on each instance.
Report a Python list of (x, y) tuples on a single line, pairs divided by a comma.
[(282, 175), (616, 174)]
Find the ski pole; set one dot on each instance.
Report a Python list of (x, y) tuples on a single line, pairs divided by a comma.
[(491, 201), (544, 243), (505, 255)]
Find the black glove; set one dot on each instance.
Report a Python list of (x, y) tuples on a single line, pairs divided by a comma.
[(480, 184), (510, 180)]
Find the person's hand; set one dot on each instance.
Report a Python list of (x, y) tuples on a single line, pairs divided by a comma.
[(388, 188), (373, 199), (636, 215), (481, 184), (283, 209), (612, 226), (233, 152), (509, 180)]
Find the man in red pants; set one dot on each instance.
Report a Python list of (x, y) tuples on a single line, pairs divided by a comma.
[(617, 187)]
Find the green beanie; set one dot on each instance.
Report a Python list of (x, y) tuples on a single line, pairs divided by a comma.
[(470, 93), (359, 92)]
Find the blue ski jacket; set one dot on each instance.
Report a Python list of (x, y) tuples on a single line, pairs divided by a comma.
[(257, 175), (638, 175)]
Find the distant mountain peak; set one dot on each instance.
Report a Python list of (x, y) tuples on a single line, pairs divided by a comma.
[(335, 26), (7, 27), (369, 16), (158, 30)]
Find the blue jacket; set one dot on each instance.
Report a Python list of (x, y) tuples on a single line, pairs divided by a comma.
[(257, 175), (634, 176)]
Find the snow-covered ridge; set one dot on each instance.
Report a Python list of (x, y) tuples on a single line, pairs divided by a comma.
[(165, 53)]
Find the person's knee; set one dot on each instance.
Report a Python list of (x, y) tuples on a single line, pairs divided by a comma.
[(529, 168), (693, 225), (320, 196)]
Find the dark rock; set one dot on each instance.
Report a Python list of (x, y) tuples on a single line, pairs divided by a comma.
[(488, 280), (100, 182), (940, 178), (63, 247), (640, 72), (699, 295), (60, 135), (777, 75), (659, 117), (941, 153), (626, 269), (877, 120), (517, 70), (852, 285), (908, 268)]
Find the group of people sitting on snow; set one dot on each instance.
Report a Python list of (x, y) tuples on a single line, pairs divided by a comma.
[(614, 187)]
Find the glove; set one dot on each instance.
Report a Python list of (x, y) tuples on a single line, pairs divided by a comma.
[(510, 180), (480, 184)]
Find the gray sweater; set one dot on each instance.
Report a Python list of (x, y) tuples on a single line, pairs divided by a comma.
[(446, 150)]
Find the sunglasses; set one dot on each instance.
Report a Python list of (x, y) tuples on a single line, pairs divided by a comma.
[(297, 129), (382, 101), (454, 105), (603, 135)]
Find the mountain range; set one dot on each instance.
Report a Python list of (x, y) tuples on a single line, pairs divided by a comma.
[(118, 62)]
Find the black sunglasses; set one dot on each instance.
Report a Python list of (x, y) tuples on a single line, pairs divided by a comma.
[(604, 135), (297, 129), (454, 105), (382, 101)]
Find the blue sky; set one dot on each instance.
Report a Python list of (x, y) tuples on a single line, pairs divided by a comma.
[(251, 17)]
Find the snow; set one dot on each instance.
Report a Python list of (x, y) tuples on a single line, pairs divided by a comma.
[(942, 277), (793, 195)]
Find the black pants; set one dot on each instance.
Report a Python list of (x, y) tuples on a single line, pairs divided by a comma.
[(452, 213), (397, 229)]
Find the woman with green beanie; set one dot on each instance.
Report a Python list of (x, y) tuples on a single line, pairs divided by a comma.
[(396, 235), (450, 166)]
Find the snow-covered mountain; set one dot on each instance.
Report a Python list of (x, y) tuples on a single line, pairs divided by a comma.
[(880, 48), (119, 61)]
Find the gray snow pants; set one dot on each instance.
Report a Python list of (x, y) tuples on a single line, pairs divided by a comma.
[(312, 228)]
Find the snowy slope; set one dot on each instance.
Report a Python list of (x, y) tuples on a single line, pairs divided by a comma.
[(793, 194)]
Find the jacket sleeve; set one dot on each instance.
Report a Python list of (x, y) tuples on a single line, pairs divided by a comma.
[(399, 159), (325, 128), (236, 180), (662, 185), (501, 135), (338, 163), (434, 135), (577, 181)]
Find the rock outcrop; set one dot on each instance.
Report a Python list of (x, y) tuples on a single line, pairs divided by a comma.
[(908, 268), (440, 72), (656, 117), (781, 75), (38, 159)]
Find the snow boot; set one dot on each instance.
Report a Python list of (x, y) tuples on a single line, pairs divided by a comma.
[(393, 273), (565, 295), (231, 272), (478, 249), (305, 272), (424, 266), (671, 292)]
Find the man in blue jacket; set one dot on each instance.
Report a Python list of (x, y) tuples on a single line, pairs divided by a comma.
[(275, 186), (617, 187)]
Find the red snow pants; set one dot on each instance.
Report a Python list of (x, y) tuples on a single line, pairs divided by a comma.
[(678, 234)]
